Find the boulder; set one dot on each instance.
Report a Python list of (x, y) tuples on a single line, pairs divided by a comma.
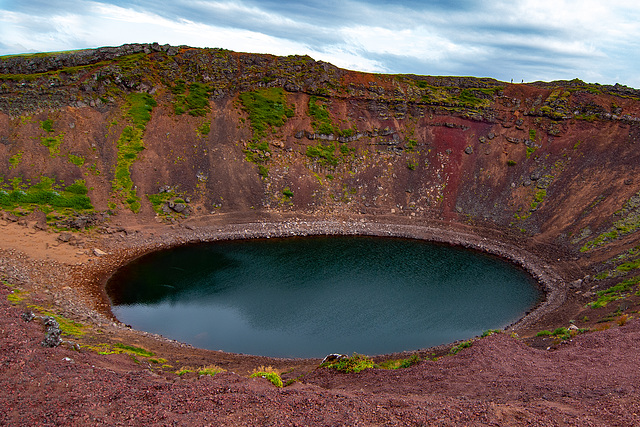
[(52, 332)]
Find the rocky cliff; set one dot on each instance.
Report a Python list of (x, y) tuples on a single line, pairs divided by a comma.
[(150, 132)]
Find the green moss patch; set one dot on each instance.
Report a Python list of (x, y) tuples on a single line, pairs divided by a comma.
[(44, 194), (616, 292), (195, 101), (130, 144), (267, 108)]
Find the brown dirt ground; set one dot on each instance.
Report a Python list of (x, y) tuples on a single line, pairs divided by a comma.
[(501, 380)]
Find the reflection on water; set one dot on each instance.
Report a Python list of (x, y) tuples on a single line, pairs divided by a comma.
[(306, 297)]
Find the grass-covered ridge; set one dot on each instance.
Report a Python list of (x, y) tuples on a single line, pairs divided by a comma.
[(130, 144)]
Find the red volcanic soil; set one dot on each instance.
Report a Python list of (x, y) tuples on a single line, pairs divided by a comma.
[(591, 380)]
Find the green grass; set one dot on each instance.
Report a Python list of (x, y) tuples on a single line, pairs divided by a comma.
[(195, 102), (399, 363), (530, 151), (273, 377), (15, 160), (287, 193), (455, 349), (532, 134), (630, 265), (511, 163), (322, 122), (140, 106), (538, 198), (629, 223), (16, 296), (257, 152), (130, 144), (263, 171), (76, 160), (353, 364), (212, 370), (53, 143), (616, 292), (43, 194), (204, 129), (323, 154), (267, 108), (47, 125), (133, 350)]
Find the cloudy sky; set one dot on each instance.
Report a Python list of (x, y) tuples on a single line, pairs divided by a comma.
[(594, 40)]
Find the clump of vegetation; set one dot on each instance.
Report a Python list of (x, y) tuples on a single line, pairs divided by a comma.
[(287, 193), (616, 292), (490, 332), (538, 198), (53, 143), (324, 155), (268, 373), (140, 106), (322, 122), (76, 160), (257, 152), (267, 108), (353, 364), (210, 370), (195, 102), (466, 344), (561, 333), (627, 224), (163, 198), (399, 363), (45, 194), (15, 160), (511, 163), (204, 129)]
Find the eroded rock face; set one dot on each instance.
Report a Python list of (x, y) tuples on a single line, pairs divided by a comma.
[(543, 160)]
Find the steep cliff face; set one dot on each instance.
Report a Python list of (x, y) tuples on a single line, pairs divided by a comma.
[(175, 132)]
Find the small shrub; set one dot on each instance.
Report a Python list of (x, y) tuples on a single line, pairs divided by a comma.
[(323, 154), (210, 370), (184, 370), (544, 333), (457, 348), (287, 193), (353, 364), (490, 332), (76, 160), (623, 319), (268, 373), (204, 129), (47, 125), (511, 163)]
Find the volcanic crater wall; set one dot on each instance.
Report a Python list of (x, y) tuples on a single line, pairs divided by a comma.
[(171, 133)]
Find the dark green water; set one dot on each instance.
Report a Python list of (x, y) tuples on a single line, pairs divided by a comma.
[(307, 297)]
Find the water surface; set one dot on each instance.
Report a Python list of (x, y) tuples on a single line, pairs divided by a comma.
[(307, 297)]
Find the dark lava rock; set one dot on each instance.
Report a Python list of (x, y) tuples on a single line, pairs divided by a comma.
[(51, 333), (27, 316), (469, 150), (179, 207)]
